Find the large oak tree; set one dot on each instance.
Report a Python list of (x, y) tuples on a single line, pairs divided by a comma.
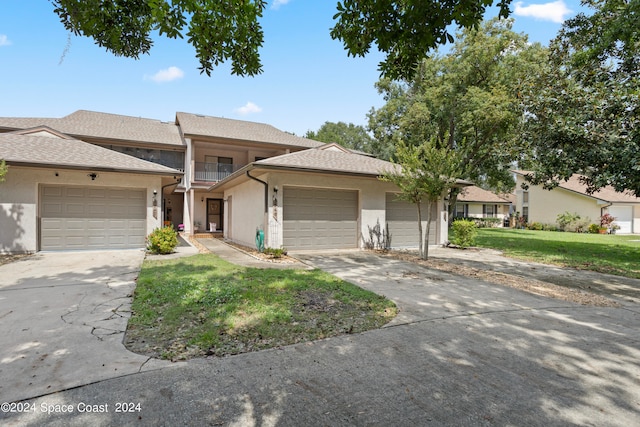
[(470, 99), (584, 115)]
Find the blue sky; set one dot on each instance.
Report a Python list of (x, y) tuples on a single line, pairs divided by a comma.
[(307, 80)]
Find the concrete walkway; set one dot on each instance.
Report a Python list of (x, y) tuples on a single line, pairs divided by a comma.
[(461, 352)]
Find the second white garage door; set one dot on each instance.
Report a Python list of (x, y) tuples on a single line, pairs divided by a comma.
[(318, 218), (81, 218), (624, 218)]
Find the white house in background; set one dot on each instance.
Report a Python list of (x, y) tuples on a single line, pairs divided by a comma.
[(475, 202), (539, 205), (94, 180)]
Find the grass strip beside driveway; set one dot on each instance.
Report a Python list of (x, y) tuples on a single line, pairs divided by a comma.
[(202, 305), (604, 253)]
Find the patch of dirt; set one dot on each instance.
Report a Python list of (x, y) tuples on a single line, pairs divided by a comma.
[(284, 259), (526, 284), (6, 259)]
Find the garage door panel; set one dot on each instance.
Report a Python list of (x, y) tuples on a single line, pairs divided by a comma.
[(320, 218), (624, 218), (92, 218), (402, 222)]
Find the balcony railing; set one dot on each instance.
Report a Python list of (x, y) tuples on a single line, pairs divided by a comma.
[(214, 172)]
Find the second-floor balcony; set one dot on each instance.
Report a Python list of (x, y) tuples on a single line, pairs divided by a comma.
[(213, 172)]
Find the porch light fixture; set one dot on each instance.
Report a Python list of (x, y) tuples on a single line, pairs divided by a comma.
[(92, 175), (155, 197)]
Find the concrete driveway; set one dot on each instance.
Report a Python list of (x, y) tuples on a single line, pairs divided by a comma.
[(63, 317), (461, 352)]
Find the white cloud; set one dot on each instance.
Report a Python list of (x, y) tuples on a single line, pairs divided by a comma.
[(4, 40), (555, 11), (170, 74), (277, 3), (248, 108)]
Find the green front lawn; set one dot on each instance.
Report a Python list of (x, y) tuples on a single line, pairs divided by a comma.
[(605, 253), (202, 305)]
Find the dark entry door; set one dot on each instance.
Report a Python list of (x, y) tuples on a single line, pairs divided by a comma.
[(214, 215)]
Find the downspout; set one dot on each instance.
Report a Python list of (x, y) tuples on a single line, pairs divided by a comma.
[(266, 208), (266, 191), (164, 207)]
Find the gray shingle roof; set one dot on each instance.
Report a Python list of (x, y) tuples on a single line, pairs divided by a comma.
[(35, 150), (84, 123), (216, 127), (477, 194), (330, 161), (608, 193)]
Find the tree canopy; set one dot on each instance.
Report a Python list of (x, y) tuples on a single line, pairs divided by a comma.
[(230, 30), (469, 99), (349, 135), (583, 116), (406, 30)]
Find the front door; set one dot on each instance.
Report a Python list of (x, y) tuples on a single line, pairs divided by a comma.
[(214, 215)]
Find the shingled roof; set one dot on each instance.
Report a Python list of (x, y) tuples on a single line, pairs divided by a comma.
[(38, 150), (329, 159), (82, 124), (607, 194), (216, 127), (476, 194)]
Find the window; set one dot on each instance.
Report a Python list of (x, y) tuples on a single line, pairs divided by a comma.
[(461, 210), (525, 213), (489, 211), (525, 197)]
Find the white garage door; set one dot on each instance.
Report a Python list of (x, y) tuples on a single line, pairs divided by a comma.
[(624, 218), (317, 218), (402, 221), (92, 218)]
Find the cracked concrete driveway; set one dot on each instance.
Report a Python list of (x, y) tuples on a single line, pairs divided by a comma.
[(63, 318)]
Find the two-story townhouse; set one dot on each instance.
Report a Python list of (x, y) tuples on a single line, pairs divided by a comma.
[(219, 175)]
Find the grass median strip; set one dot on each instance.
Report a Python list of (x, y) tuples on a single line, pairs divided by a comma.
[(612, 254), (202, 305)]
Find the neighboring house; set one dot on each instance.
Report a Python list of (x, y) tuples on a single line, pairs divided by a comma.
[(539, 205), (475, 202), (83, 180)]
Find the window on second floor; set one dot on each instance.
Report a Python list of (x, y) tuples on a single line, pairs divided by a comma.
[(525, 197), (169, 158)]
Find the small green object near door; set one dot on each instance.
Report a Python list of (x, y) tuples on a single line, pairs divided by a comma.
[(260, 240)]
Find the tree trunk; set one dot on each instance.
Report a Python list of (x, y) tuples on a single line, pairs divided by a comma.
[(426, 234), (419, 229)]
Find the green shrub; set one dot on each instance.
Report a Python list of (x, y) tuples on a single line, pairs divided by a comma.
[(464, 233), (275, 252), (162, 240), (594, 229), (537, 226), (482, 222), (573, 222)]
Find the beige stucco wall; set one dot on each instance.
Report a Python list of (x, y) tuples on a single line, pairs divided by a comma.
[(244, 212), (248, 212), (19, 200), (546, 205)]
